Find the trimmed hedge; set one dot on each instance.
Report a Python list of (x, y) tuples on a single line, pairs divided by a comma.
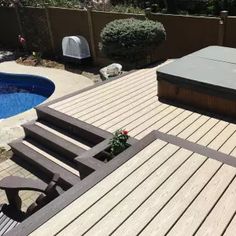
[(131, 39)]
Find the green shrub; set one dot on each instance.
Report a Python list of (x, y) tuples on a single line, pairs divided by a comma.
[(130, 39)]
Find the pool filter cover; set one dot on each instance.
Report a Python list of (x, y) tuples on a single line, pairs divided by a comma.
[(75, 47)]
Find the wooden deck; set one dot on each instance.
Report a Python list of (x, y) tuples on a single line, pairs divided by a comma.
[(164, 189), (132, 103)]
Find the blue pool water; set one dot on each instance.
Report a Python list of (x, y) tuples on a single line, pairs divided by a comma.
[(19, 93)]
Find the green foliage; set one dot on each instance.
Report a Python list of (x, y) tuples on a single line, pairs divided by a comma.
[(196, 7), (127, 9), (119, 142), (41, 3), (130, 39), (37, 56)]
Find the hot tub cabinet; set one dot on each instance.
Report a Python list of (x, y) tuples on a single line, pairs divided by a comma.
[(205, 79)]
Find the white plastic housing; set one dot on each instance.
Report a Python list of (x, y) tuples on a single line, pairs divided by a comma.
[(75, 47)]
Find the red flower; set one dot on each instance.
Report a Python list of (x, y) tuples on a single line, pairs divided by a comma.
[(21, 40), (125, 132)]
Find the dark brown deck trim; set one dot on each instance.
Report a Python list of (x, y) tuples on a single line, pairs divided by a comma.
[(194, 147), (44, 214), (53, 141), (86, 163), (75, 126), (40, 217), (67, 178)]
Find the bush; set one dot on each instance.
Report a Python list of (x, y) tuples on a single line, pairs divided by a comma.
[(130, 39)]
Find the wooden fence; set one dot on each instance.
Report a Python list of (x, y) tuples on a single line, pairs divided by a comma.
[(44, 29)]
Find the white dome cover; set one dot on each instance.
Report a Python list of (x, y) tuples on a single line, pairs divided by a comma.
[(75, 47)]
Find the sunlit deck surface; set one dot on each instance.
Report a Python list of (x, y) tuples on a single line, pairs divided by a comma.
[(166, 188)]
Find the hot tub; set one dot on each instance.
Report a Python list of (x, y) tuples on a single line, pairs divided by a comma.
[(205, 79)]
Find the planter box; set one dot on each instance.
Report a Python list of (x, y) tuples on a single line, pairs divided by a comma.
[(96, 157)]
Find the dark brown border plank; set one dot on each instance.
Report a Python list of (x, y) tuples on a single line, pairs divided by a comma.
[(76, 126), (194, 147), (44, 214)]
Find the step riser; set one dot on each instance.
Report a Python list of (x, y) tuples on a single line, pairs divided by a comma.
[(42, 169), (23, 154), (49, 144), (66, 123)]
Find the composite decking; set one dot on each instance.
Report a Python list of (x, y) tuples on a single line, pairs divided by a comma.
[(165, 188), (132, 103)]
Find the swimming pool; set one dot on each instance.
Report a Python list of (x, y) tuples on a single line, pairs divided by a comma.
[(19, 93)]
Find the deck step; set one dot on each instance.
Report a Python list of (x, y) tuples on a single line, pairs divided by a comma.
[(89, 133), (52, 140), (45, 162), (65, 135)]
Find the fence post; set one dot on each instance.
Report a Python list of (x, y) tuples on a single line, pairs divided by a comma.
[(148, 13), (49, 28), (91, 33), (222, 27)]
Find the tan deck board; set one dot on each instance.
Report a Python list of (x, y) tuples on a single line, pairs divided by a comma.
[(225, 134), (133, 116), (94, 92), (148, 119), (101, 89), (122, 106), (194, 127), (131, 227), (230, 230), (195, 214), (101, 93), (117, 114), (121, 96), (230, 144), (77, 207), (213, 132), (164, 126), (87, 219), (126, 98), (124, 209), (224, 210), (151, 194), (165, 220), (185, 124)]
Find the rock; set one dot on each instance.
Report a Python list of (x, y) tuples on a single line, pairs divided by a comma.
[(111, 71)]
